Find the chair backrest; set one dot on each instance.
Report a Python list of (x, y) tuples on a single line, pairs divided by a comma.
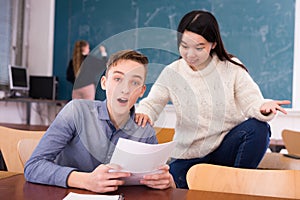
[(9, 139), (164, 134), (291, 141), (25, 148), (276, 183)]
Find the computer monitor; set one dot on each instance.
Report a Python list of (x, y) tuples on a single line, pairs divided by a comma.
[(43, 87), (18, 78)]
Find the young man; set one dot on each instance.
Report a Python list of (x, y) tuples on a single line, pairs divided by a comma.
[(76, 148)]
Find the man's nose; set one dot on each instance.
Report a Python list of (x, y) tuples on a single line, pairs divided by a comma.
[(125, 88)]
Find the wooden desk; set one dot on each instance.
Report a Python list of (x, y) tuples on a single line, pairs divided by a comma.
[(25, 127), (17, 188), (29, 101)]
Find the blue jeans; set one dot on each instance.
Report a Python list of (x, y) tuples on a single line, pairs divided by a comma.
[(244, 147)]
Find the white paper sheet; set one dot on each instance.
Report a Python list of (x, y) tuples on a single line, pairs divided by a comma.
[(140, 159), (75, 196)]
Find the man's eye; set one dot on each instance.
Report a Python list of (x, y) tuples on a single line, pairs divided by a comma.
[(135, 83), (117, 79)]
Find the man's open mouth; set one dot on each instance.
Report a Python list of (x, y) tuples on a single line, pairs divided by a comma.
[(122, 100)]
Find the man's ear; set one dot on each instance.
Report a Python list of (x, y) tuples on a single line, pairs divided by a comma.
[(103, 82), (143, 90)]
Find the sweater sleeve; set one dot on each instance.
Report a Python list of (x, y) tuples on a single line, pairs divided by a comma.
[(249, 97), (157, 98), (41, 168)]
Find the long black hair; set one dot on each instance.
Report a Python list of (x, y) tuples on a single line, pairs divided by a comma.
[(205, 24)]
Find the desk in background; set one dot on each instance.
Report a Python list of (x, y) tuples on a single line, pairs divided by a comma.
[(276, 145), (29, 101), (15, 187)]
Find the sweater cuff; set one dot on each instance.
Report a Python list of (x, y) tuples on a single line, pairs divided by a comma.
[(144, 110)]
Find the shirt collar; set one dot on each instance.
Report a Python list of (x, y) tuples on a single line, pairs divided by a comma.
[(103, 111)]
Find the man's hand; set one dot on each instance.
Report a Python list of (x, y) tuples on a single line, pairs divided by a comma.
[(100, 180), (162, 180)]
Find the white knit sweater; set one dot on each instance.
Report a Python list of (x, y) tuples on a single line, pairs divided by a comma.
[(208, 103)]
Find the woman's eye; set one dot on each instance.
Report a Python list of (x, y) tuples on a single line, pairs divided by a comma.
[(117, 79), (199, 49), (184, 46)]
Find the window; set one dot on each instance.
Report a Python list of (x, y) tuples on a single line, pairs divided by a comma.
[(11, 37), (5, 40)]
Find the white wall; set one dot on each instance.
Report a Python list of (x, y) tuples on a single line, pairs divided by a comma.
[(39, 20), (40, 62), (296, 78), (41, 36)]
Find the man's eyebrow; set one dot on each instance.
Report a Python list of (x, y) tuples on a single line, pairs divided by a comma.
[(138, 76), (135, 76), (118, 72)]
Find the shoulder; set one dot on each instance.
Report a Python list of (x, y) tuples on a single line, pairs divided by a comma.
[(228, 67), (176, 65), (173, 69), (149, 134), (138, 133), (80, 106)]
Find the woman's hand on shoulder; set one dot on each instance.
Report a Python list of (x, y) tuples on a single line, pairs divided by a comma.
[(142, 119), (273, 107)]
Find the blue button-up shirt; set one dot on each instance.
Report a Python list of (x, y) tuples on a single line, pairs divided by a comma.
[(80, 138)]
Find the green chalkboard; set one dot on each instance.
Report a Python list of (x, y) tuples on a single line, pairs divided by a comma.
[(259, 32)]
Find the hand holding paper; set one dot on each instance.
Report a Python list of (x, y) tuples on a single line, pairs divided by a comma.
[(140, 159)]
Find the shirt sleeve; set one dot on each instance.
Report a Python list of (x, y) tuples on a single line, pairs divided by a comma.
[(41, 168), (249, 97)]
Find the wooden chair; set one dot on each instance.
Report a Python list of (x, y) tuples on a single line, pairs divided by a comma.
[(164, 134), (276, 183), (272, 160), (25, 148), (9, 139), (291, 141)]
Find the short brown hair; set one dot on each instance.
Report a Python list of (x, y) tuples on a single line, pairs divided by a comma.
[(127, 55)]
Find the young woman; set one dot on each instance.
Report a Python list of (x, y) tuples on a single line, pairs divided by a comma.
[(80, 52), (84, 68), (221, 113)]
